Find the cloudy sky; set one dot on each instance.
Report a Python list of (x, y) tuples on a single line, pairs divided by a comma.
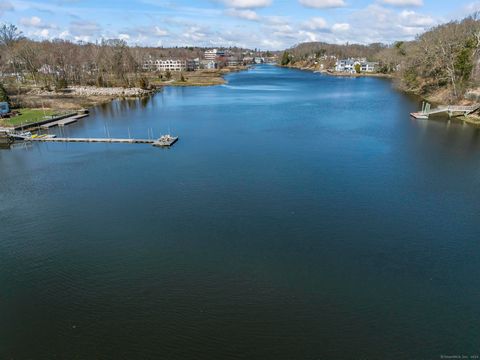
[(264, 24)]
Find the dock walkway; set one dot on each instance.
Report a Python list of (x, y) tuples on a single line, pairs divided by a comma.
[(161, 142), (448, 109), (63, 122)]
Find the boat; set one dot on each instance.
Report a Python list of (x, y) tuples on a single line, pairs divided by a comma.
[(21, 135)]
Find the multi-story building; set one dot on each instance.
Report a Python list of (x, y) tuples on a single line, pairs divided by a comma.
[(214, 54), (165, 65), (211, 54)]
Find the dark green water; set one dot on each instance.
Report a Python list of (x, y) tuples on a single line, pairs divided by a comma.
[(299, 217)]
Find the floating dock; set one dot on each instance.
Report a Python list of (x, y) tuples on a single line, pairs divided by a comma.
[(448, 109), (164, 141), (63, 122)]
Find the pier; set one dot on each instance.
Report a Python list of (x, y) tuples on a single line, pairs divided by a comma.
[(63, 122), (164, 141), (447, 109)]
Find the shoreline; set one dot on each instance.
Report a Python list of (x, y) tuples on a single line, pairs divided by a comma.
[(339, 74), (75, 98), (472, 120)]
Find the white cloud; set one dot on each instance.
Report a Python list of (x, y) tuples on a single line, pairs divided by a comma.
[(316, 23), (246, 14), (34, 21), (403, 2), (247, 4), (323, 4), (341, 27), (413, 19), (160, 32)]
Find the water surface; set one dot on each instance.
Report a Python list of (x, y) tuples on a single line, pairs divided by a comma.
[(300, 216)]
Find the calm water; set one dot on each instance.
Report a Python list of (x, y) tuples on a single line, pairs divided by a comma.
[(299, 217)]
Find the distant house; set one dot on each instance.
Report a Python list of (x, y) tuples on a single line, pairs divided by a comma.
[(4, 108), (349, 66), (193, 64), (213, 54), (208, 64), (346, 66), (369, 66), (248, 60), (233, 61)]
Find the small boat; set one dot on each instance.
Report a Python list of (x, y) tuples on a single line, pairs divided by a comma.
[(21, 135)]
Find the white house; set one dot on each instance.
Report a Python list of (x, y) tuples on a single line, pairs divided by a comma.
[(346, 66), (208, 64), (369, 66), (349, 66)]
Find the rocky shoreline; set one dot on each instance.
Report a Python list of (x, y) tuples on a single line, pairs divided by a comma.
[(93, 91)]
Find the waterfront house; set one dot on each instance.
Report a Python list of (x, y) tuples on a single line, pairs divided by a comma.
[(247, 60), (349, 66), (346, 66), (369, 66), (193, 64), (233, 61), (208, 64)]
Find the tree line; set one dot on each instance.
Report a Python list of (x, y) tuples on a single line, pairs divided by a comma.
[(55, 64)]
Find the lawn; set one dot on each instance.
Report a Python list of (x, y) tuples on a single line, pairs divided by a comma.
[(28, 116)]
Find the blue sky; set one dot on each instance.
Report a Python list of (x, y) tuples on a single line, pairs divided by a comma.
[(264, 24)]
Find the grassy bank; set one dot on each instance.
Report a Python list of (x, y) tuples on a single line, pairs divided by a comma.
[(195, 78), (27, 116)]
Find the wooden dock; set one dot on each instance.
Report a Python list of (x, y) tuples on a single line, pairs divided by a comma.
[(94, 140), (161, 142), (447, 109), (63, 122)]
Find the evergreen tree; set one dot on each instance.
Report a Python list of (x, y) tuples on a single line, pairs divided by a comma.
[(285, 58), (3, 94)]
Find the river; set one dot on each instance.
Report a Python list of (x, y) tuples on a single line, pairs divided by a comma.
[(300, 216)]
